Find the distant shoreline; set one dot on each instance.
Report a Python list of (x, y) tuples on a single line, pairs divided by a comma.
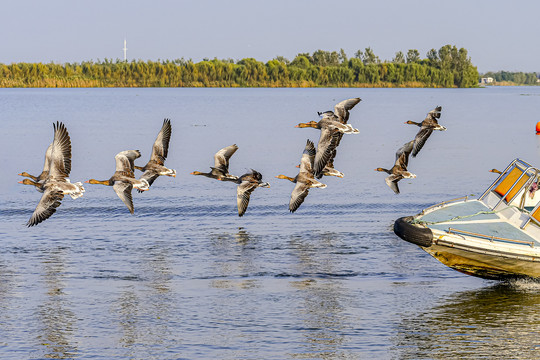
[(305, 71), (62, 83)]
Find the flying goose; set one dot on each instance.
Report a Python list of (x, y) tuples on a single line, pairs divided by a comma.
[(155, 166), (220, 171), (399, 170), (247, 183), (56, 183), (123, 179), (427, 126), (305, 179)]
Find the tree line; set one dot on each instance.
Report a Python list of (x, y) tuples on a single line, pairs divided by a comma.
[(446, 67)]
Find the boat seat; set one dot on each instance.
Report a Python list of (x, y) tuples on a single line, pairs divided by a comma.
[(508, 181)]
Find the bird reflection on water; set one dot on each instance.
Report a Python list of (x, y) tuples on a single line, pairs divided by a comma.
[(234, 258), (323, 297), (58, 322), (143, 305)]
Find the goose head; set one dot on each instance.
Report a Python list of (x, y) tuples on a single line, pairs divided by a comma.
[(29, 182)]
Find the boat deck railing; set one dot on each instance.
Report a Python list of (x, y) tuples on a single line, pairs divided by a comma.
[(516, 179), (490, 237), (517, 176)]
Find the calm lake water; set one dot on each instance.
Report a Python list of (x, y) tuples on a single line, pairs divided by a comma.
[(186, 278)]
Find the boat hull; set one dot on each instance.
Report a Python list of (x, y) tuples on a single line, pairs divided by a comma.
[(486, 266), (476, 260)]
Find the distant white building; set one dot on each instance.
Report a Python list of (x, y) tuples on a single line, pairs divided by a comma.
[(486, 80)]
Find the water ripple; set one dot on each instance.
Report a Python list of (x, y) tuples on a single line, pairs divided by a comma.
[(220, 210)]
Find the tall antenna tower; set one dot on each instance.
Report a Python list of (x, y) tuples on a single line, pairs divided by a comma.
[(125, 49)]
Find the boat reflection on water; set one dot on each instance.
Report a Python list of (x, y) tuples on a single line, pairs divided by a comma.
[(498, 322)]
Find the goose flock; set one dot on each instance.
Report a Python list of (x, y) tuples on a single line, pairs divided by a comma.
[(315, 162), (399, 170), (54, 183)]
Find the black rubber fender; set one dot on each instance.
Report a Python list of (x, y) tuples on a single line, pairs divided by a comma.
[(421, 236)]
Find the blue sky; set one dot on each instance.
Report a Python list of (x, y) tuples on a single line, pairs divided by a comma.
[(498, 35)]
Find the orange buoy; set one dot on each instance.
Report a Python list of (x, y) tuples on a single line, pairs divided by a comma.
[(538, 128)]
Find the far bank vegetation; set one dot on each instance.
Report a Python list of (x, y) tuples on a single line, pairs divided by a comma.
[(446, 67)]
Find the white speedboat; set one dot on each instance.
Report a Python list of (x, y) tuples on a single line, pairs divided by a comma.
[(496, 236)]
